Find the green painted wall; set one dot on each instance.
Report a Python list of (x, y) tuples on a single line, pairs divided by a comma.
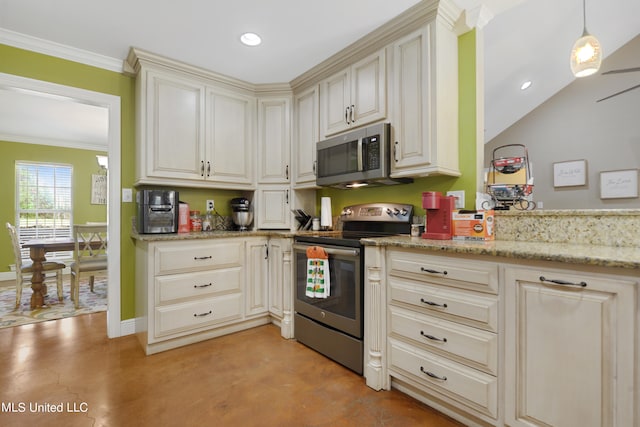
[(84, 165), (55, 70), (412, 193)]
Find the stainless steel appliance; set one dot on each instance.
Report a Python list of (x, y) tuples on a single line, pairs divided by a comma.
[(157, 211), (334, 326), (241, 214), (357, 158)]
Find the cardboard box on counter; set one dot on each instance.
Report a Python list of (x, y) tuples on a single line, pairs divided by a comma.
[(473, 225)]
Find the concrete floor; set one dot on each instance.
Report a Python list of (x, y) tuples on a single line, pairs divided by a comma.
[(251, 378)]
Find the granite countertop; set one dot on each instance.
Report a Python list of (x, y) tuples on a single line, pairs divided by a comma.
[(584, 254), (603, 256)]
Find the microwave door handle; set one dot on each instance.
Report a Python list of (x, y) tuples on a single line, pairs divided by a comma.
[(360, 155)]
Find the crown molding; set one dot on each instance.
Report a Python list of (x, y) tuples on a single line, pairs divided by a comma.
[(445, 11), (47, 47)]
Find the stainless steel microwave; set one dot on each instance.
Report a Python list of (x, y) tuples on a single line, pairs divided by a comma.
[(357, 158)]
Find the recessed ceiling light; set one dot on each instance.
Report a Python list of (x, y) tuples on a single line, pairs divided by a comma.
[(525, 85), (250, 39)]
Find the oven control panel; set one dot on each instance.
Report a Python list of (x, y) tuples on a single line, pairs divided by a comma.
[(387, 212)]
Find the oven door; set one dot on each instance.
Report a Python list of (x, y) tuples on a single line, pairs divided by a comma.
[(343, 309)]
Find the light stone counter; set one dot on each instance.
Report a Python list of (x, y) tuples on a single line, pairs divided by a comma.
[(602, 256)]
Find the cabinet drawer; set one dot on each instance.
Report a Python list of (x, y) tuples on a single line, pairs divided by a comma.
[(197, 285), (466, 385), (172, 319), (470, 346), (473, 308), (176, 257), (468, 274)]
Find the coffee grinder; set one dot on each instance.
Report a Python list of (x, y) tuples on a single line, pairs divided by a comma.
[(439, 210)]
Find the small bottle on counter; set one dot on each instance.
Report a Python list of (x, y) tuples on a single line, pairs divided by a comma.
[(207, 222), (196, 221)]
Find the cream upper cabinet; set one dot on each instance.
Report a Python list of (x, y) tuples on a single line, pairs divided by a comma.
[(570, 348), (230, 137), (355, 96), (425, 102), (193, 130), (272, 207), (171, 127), (306, 136), (274, 140)]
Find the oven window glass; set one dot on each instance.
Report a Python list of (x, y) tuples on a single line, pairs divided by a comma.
[(344, 286)]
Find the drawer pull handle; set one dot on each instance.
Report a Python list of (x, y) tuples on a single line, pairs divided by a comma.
[(202, 257), (433, 304), (206, 285), (563, 282), (202, 314), (431, 337), (429, 270), (432, 375)]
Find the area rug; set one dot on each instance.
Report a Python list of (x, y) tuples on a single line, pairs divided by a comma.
[(90, 302)]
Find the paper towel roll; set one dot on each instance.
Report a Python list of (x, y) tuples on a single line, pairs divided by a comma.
[(325, 212)]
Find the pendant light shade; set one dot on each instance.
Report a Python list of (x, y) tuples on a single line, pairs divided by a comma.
[(586, 55)]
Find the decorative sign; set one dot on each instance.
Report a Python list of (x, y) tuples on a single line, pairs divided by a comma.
[(570, 174), (98, 189), (619, 184)]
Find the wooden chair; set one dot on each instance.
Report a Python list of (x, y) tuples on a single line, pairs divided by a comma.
[(25, 268), (89, 256)]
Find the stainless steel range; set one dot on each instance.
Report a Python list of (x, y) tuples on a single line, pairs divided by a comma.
[(334, 326)]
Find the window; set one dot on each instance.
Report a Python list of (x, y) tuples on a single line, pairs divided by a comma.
[(44, 203)]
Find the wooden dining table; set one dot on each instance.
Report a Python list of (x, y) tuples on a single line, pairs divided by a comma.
[(38, 248)]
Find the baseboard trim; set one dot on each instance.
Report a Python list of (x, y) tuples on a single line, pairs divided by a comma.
[(127, 327)]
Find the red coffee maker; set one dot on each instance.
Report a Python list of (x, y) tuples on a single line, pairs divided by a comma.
[(439, 209)]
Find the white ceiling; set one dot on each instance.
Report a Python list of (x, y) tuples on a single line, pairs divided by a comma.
[(525, 39)]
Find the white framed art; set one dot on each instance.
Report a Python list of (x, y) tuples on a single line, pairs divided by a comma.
[(570, 173), (619, 184), (98, 189)]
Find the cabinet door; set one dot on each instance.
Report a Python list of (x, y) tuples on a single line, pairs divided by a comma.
[(256, 295), (569, 349), (274, 140), (230, 139), (276, 277), (368, 89), (273, 207), (411, 106), (306, 137), (335, 103), (280, 285), (173, 142), (355, 96)]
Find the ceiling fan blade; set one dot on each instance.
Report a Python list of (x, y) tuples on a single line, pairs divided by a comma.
[(619, 93), (622, 70)]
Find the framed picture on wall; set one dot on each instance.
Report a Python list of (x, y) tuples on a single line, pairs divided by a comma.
[(570, 173), (98, 189), (619, 184)]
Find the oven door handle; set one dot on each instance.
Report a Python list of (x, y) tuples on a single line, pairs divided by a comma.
[(330, 251)]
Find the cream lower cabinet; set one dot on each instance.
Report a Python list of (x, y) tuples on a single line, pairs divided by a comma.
[(192, 290), (499, 343), (281, 285), (570, 348), (437, 337)]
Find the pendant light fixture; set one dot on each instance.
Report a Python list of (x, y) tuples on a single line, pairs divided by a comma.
[(586, 55)]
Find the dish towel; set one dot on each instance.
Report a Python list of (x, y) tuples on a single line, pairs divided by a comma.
[(318, 277)]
